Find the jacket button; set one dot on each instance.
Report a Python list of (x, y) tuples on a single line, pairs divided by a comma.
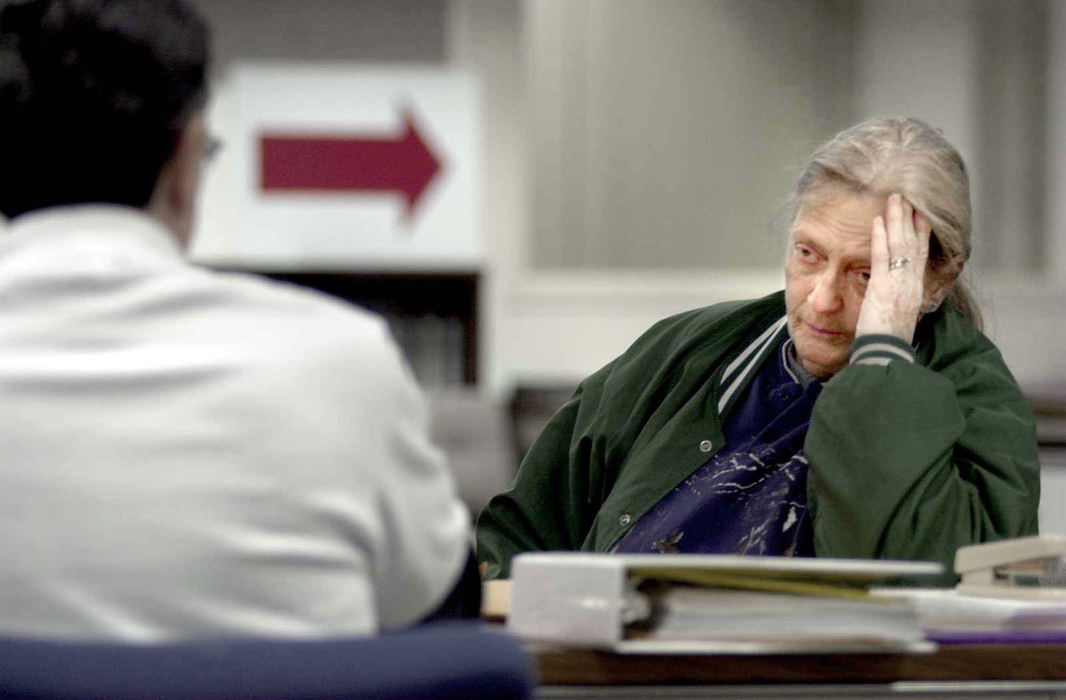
[(706, 446), (624, 520)]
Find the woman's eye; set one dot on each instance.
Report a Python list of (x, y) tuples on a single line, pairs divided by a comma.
[(863, 276)]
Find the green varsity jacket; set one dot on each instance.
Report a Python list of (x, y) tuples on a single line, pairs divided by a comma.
[(907, 460)]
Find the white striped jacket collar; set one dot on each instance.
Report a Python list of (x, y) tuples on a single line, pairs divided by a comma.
[(741, 369)]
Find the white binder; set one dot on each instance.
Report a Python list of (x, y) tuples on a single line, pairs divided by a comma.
[(600, 600)]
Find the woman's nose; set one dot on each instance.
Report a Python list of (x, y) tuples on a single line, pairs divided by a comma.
[(825, 296)]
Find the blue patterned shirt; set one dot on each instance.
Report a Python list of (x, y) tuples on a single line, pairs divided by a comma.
[(751, 497)]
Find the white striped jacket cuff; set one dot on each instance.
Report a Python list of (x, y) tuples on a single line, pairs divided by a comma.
[(880, 350)]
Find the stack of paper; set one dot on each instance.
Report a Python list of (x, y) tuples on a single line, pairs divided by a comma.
[(708, 603), (1012, 591), (948, 616)]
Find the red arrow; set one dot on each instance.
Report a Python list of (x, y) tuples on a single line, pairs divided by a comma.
[(349, 163)]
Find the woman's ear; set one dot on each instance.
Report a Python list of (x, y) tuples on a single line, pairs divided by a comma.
[(938, 285)]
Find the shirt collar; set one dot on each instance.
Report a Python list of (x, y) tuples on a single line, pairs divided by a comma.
[(793, 366), (121, 225)]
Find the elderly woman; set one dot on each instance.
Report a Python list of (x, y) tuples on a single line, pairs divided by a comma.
[(860, 413)]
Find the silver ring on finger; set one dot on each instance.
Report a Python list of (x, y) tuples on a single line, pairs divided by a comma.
[(896, 263)]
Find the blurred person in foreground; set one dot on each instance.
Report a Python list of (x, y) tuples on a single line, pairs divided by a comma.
[(858, 413), (185, 453)]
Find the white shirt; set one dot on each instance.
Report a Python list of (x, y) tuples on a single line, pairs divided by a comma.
[(191, 453)]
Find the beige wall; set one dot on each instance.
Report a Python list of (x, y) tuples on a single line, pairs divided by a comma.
[(664, 133), (378, 31)]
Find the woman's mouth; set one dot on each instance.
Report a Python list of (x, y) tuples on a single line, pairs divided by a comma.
[(824, 332)]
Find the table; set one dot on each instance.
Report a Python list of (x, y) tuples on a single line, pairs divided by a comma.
[(980, 671)]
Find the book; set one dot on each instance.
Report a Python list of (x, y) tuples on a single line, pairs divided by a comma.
[(712, 603)]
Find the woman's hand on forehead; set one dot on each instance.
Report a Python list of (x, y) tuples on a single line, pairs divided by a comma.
[(899, 251)]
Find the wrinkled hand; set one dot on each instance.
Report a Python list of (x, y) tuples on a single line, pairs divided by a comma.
[(894, 293)]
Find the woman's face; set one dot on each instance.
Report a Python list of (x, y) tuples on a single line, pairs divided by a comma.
[(826, 270)]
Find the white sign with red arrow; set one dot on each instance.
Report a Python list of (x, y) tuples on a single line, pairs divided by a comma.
[(341, 167)]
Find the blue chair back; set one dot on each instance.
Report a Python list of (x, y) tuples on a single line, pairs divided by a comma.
[(443, 661)]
